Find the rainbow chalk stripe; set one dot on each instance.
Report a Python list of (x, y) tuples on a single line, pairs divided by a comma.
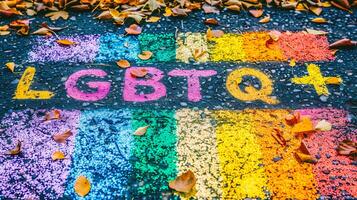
[(231, 47), (231, 153)]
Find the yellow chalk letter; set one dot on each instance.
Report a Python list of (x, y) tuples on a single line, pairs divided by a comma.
[(250, 93), (23, 90)]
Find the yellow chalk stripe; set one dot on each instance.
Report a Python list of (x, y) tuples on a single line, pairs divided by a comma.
[(196, 150), (240, 157), (188, 43), (256, 48), (226, 48), (316, 79), (23, 90), (250, 93), (287, 178)]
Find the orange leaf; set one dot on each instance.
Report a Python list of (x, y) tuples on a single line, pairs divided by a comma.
[(315, 10), (10, 66), (55, 114), (211, 21), (304, 126), (58, 14), (266, 19), (123, 64), (184, 183), (256, 13), (4, 28), (153, 19), (347, 147), (133, 30), (275, 35), (82, 186), (61, 138), (65, 42), (168, 12), (214, 33), (141, 130), (16, 150), (58, 155), (139, 73), (343, 43), (145, 55), (319, 20)]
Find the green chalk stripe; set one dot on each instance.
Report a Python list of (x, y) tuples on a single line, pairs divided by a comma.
[(163, 47), (154, 154)]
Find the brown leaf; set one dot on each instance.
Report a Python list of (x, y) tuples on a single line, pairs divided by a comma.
[(211, 21), (256, 13), (4, 28), (347, 147), (104, 15), (343, 43), (234, 8), (58, 155), (153, 19), (10, 66), (141, 130), (139, 73), (54, 114), (133, 30), (15, 151), (145, 55), (180, 12), (319, 20), (214, 33), (274, 35), (183, 183), (58, 14), (4, 33), (210, 9), (198, 53), (316, 32), (123, 64), (42, 31), (316, 10), (168, 12), (62, 137), (266, 19), (292, 119), (65, 42), (82, 186)]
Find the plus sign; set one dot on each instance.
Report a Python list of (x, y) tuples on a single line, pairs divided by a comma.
[(316, 79)]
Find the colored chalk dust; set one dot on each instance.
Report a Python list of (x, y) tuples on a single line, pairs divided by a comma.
[(196, 151), (226, 48), (115, 47), (188, 43), (335, 174), (163, 47), (154, 154), (286, 177), (33, 174), (240, 158), (102, 151), (46, 50)]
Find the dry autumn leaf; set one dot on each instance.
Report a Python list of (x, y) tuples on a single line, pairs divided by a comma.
[(198, 53), (292, 119), (82, 186), (183, 183), (16, 150), (211, 21), (316, 32), (210, 9), (266, 19), (343, 43), (123, 64), (145, 55), (319, 20), (153, 19), (58, 14), (10, 66), (168, 12), (133, 29), (141, 130), (303, 155), (58, 155), (65, 42), (62, 137), (347, 148), (139, 73), (323, 125), (214, 33), (54, 114), (256, 13), (292, 63)]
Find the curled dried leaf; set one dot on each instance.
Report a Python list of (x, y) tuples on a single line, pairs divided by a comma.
[(16, 150), (42, 31), (104, 15), (234, 8), (319, 20), (65, 42), (292, 63), (303, 154), (141, 130), (211, 21), (347, 148), (180, 12), (292, 119), (214, 33), (4, 28), (316, 10), (82, 186), (183, 183), (139, 73), (145, 55), (133, 29), (123, 64), (333, 80), (153, 19), (58, 14), (210, 9), (10, 66), (62, 137), (343, 43), (168, 12), (58, 155), (266, 19), (54, 114), (316, 32), (274, 35)]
